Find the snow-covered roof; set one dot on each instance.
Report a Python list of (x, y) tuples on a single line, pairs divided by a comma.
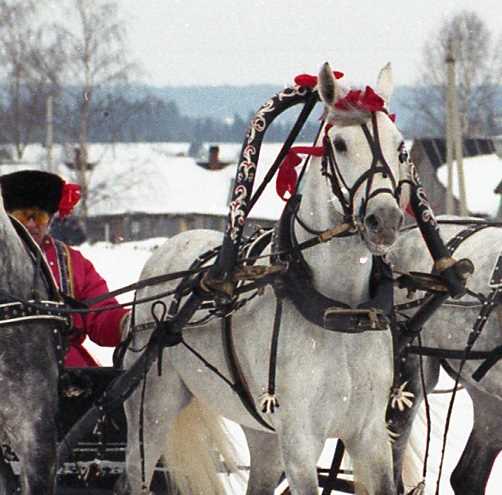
[(482, 175)]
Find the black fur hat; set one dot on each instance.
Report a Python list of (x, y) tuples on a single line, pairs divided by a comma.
[(31, 189)]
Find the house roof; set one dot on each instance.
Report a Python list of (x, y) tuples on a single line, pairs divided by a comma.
[(435, 149), (481, 173)]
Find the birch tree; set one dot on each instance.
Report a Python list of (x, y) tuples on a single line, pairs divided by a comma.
[(478, 62), (96, 63)]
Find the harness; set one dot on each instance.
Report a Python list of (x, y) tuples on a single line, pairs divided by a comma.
[(220, 284), (296, 284), (487, 303), (379, 165), (15, 310)]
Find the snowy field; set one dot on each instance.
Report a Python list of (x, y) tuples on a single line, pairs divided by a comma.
[(122, 264)]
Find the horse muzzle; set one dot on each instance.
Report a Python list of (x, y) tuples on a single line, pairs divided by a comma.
[(381, 228)]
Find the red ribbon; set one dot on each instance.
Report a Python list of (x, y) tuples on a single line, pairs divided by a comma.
[(70, 196), (309, 81), (368, 101), (287, 177)]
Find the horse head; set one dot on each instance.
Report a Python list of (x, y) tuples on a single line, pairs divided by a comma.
[(364, 158)]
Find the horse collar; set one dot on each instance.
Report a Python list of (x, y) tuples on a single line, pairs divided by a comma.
[(297, 286)]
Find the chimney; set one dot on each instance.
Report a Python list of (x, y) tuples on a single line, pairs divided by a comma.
[(214, 158)]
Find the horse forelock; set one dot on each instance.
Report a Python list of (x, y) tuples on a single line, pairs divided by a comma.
[(347, 118)]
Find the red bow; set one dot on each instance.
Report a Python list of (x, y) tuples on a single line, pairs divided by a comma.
[(70, 196), (287, 176), (309, 81), (355, 98)]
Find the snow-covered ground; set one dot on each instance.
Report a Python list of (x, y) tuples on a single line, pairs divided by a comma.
[(121, 264)]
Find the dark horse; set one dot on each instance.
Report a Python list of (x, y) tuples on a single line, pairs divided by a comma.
[(28, 365)]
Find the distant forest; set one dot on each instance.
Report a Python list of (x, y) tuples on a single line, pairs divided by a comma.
[(199, 114)]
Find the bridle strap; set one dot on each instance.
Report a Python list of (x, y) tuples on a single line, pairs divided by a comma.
[(379, 165)]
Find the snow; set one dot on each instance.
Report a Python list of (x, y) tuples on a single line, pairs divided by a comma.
[(482, 175)]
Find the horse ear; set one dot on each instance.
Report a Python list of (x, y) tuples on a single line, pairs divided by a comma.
[(385, 84), (329, 89)]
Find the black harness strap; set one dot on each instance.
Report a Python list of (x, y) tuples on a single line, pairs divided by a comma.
[(268, 401), (491, 360), (65, 269), (240, 384), (451, 246)]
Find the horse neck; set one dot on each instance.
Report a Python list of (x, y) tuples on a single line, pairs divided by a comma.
[(14, 258), (341, 268)]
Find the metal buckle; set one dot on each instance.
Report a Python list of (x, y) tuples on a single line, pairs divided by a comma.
[(374, 318)]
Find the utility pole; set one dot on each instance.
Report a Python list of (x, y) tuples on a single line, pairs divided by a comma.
[(49, 132), (450, 94), (454, 139)]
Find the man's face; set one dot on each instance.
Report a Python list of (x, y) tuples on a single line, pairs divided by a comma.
[(35, 220)]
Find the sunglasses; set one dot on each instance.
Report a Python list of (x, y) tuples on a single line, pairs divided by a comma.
[(24, 215)]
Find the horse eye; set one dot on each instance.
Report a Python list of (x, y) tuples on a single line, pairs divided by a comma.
[(340, 145), (403, 153)]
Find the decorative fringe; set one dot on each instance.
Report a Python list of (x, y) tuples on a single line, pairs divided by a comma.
[(400, 398), (393, 436), (268, 403), (419, 489)]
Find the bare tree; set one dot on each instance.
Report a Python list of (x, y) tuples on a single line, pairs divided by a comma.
[(22, 108), (478, 74), (95, 59)]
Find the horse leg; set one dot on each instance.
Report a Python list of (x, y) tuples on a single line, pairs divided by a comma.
[(8, 481), (148, 423), (266, 463), (485, 442), (300, 449), (35, 448), (371, 455), (400, 422)]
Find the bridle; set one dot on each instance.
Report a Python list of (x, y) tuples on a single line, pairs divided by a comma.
[(346, 194)]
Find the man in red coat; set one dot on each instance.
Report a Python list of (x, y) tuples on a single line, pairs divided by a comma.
[(34, 197)]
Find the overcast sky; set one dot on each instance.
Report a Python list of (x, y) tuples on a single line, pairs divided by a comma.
[(187, 42)]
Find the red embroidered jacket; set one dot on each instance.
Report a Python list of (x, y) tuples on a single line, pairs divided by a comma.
[(76, 276)]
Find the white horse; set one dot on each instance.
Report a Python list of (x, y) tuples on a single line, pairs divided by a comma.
[(449, 329), (328, 383)]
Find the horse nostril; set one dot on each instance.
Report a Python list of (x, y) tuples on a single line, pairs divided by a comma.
[(372, 222)]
